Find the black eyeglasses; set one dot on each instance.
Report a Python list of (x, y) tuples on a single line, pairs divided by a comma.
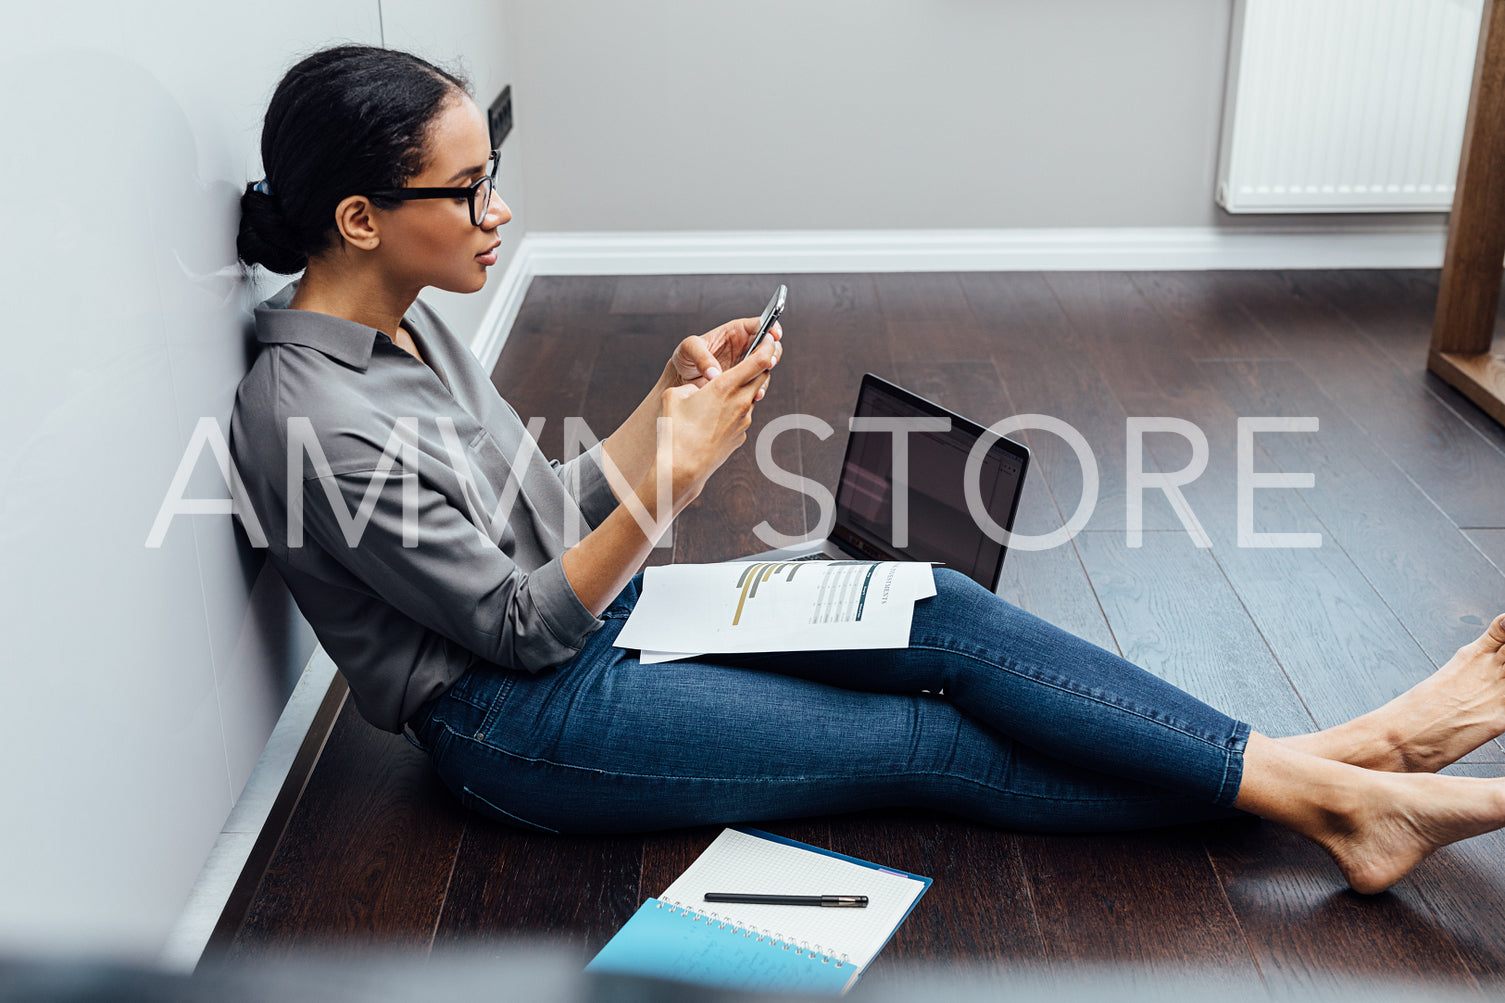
[(478, 193)]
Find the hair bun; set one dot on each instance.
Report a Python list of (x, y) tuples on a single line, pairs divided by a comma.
[(352, 118), (265, 238)]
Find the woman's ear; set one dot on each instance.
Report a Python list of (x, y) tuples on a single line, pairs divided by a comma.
[(355, 218)]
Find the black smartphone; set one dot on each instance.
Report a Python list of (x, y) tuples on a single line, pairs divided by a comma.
[(770, 314)]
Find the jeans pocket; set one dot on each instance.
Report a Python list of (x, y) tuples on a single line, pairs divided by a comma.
[(476, 803), (438, 744), (464, 688)]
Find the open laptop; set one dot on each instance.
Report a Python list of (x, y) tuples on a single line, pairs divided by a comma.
[(940, 527)]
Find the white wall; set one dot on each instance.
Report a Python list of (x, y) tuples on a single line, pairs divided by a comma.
[(141, 684), (875, 114)]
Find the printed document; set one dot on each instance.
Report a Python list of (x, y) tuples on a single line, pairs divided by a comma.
[(687, 609)]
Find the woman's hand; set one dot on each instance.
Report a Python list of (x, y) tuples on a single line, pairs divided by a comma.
[(700, 358), (709, 417)]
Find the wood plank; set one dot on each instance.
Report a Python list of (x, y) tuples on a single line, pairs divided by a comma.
[(968, 386), (547, 373), (1204, 316), (544, 371), (721, 524), (928, 300), (667, 854), (1491, 543), (634, 350), (577, 891), (1147, 903), (365, 862), (1391, 307), (1050, 583), (1395, 309), (1045, 366), (978, 908), (1446, 459), (1053, 585), (1309, 933), (1136, 351), (581, 299), (834, 338), (1406, 548), (656, 294), (1406, 419), (238, 905), (727, 297), (1144, 365), (1176, 616)]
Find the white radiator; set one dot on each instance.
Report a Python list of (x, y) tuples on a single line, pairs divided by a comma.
[(1346, 105)]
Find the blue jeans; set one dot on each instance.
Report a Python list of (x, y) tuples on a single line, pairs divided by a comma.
[(990, 713)]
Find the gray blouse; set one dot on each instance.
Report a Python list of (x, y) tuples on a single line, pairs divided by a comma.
[(410, 565)]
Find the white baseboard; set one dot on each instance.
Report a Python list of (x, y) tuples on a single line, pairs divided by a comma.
[(1079, 249)]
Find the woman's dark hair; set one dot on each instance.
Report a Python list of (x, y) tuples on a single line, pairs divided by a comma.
[(344, 121)]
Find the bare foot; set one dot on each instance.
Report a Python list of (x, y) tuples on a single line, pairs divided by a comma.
[(1436, 722), (1403, 819), (1376, 825)]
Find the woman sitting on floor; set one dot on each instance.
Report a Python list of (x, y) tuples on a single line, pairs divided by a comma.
[(491, 641)]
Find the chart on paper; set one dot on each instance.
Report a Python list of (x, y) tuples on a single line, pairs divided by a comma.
[(840, 597)]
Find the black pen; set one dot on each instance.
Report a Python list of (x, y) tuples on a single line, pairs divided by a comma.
[(836, 901)]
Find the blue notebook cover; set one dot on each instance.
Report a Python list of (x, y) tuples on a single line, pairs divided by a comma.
[(663, 940)]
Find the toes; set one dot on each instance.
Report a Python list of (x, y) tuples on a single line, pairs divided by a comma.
[(1494, 638)]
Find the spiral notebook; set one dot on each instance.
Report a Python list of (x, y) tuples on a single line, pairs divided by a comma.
[(767, 948)]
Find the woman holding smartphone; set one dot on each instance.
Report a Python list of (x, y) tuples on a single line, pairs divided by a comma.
[(470, 589)]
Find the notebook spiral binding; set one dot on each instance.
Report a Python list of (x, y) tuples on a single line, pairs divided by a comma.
[(800, 947)]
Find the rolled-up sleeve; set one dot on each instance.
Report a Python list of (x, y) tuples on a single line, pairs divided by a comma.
[(585, 479), (455, 581)]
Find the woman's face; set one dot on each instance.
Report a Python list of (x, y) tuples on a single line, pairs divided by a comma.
[(432, 242)]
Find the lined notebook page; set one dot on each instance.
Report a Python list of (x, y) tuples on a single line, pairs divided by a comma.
[(738, 862)]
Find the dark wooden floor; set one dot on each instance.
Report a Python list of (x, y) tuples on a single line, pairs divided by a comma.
[(1409, 498)]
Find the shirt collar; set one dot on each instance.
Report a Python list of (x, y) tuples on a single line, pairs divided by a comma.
[(344, 340)]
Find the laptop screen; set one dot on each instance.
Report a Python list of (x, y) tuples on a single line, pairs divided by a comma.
[(940, 527)]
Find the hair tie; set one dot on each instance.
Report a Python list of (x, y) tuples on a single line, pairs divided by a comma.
[(261, 186)]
